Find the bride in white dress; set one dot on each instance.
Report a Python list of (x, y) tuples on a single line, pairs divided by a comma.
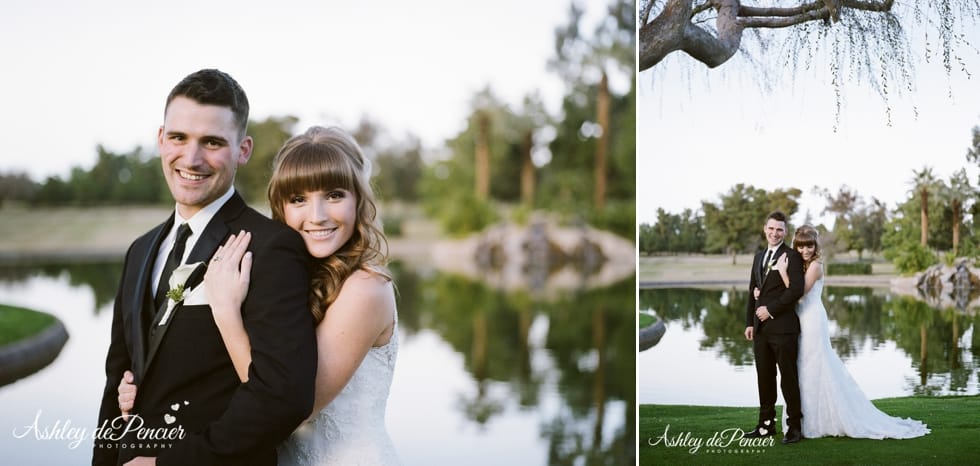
[(832, 402), (320, 188)]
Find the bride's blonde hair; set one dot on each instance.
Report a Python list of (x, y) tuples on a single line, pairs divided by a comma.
[(322, 159), (806, 235)]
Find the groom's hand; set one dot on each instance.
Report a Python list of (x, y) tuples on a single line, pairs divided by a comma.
[(749, 333), (142, 461), (763, 313)]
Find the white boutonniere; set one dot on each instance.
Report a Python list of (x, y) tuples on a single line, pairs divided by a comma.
[(183, 281), (770, 265)]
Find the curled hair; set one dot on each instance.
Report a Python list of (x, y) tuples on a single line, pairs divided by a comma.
[(806, 235), (214, 87), (323, 159)]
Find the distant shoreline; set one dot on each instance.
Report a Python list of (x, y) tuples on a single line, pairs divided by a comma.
[(704, 270)]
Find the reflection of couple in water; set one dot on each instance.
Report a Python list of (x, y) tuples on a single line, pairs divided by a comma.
[(292, 325), (787, 323)]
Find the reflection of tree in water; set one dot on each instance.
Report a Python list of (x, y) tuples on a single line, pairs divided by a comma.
[(857, 313), (589, 346), (101, 277), (720, 314), (930, 337)]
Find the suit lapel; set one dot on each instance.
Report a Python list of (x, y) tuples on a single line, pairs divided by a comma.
[(140, 305), (217, 230), (213, 235)]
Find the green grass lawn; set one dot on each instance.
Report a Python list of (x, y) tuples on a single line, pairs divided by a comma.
[(646, 320), (955, 424), (17, 323)]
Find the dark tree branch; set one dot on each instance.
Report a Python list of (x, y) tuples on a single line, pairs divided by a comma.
[(672, 30), (782, 22)]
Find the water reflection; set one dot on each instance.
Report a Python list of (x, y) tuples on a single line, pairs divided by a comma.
[(940, 346), (561, 367), (101, 277)]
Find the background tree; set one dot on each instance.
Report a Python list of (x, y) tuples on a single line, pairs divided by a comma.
[(585, 61), (673, 233), (396, 163), (842, 205), (973, 153), (17, 186), (268, 135), (956, 194), (735, 223), (869, 225), (923, 183)]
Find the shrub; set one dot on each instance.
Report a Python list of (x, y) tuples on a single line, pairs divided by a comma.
[(913, 258), (849, 268)]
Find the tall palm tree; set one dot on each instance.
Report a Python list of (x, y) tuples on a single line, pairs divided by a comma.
[(923, 182), (958, 191)]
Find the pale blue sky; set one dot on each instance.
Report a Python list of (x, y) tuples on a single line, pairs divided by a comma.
[(76, 74), (701, 132)]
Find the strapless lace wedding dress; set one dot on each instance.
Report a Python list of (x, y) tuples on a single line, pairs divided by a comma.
[(832, 402), (351, 429)]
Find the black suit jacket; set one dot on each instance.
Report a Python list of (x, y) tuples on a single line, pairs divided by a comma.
[(779, 299), (190, 384)]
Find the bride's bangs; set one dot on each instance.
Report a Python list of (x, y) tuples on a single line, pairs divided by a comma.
[(806, 236), (310, 168), (804, 240)]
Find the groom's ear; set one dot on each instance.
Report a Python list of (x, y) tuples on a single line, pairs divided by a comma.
[(245, 150)]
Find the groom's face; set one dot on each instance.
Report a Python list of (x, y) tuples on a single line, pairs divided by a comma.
[(775, 231), (200, 149)]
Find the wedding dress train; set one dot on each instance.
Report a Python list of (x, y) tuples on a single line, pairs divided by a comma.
[(351, 429), (832, 402)]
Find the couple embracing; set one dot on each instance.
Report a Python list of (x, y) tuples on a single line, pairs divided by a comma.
[(787, 323), (239, 339)]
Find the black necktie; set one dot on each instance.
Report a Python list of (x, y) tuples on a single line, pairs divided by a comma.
[(765, 264), (173, 260)]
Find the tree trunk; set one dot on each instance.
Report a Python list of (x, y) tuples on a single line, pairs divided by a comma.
[(956, 226), (527, 170), (602, 108), (924, 216), (483, 156)]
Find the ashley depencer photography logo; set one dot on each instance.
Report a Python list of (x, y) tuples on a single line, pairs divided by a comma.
[(108, 435), (728, 441)]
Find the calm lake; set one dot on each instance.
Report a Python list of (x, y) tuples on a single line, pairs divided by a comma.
[(892, 345), (484, 377)]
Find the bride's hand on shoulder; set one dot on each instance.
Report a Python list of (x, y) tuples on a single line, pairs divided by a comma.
[(228, 276), (782, 264)]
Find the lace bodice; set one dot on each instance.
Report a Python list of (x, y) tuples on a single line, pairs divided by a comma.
[(350, 430)]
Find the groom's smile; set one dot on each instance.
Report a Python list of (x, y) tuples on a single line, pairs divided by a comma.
[(189, 176)]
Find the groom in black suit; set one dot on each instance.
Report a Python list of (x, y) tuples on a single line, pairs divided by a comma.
[(191, 407), (774, 328)]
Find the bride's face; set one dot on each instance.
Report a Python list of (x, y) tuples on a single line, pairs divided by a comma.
[(806, 252)]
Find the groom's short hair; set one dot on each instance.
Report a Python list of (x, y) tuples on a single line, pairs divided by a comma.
[(214, 87), (777, 215)]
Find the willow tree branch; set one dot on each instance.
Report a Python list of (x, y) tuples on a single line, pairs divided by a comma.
[(672, 29)]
